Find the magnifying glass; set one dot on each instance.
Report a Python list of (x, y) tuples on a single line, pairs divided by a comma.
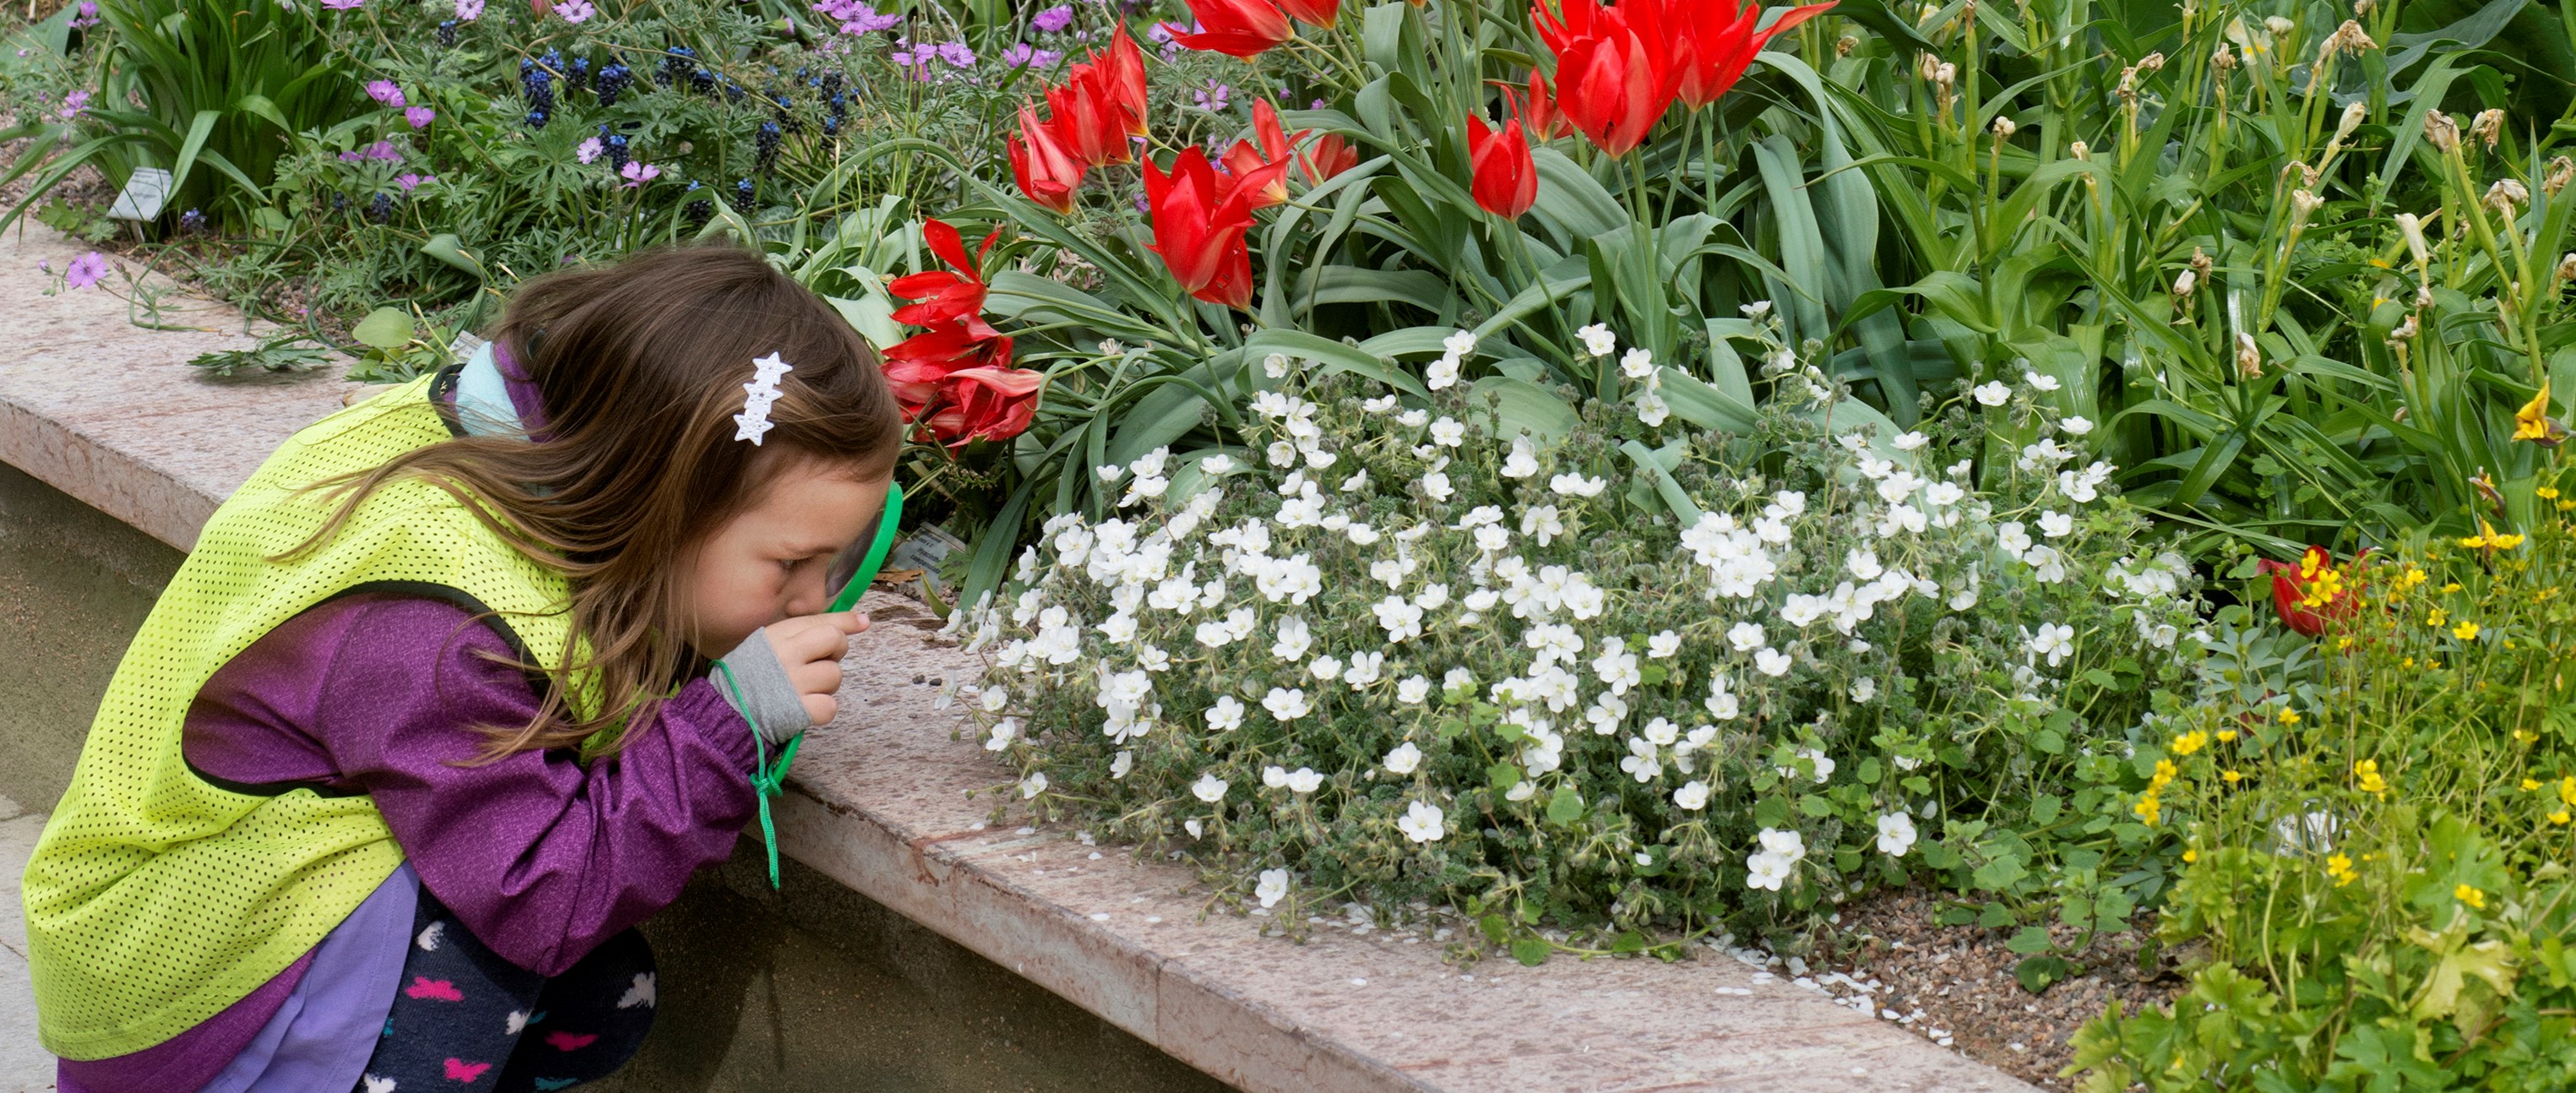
[(857, 567)]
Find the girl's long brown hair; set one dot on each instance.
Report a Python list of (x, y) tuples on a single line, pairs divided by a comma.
[(641, 367)]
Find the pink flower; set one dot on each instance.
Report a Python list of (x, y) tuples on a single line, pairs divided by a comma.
[(574, 11), (344, 5), (587, 150), (419, 116), (469, 10), (638, 172), (384, 150), (72, 106), (411, 180), (385, 92), (85, 270)]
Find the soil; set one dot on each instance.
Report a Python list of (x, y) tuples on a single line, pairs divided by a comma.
[(1955, 984)]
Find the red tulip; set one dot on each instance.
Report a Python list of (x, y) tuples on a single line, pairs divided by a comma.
[(1245, 161), (1318, 13), (1089, 120), (1506, 181), (2313, 593), (1545, 121), (1124, 69), (1199, 225), (1613, 79), (1329, 155), (1044, 170), (1237, 28), (944, 295), (985, 404), (1713, 42)]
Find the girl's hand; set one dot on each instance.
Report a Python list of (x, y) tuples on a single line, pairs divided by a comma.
[(810, 647)]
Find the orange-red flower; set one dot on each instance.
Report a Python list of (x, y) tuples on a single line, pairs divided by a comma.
[(1237, 28), (1044, 170), (1713, 41), (1320, 13), (1123, 67), (1089, 119), (2313, 593), (1614, 78), (985, 404), (1246, 161), (945, 295), (1199, 224), (1329, 155), (1505, 181)]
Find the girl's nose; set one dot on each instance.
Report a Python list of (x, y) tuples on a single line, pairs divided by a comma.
[(805, 592)]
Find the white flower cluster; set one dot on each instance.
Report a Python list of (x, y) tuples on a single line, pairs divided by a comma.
[(1398, 622)]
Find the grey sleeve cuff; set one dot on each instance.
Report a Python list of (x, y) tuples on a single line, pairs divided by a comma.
[(776, 711)]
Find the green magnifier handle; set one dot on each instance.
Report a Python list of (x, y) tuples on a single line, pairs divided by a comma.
[(877, 551)]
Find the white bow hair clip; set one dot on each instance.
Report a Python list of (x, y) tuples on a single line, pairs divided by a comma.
[(758, 394)]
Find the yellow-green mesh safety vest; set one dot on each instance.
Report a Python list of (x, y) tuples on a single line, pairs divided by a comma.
[(156, 897)]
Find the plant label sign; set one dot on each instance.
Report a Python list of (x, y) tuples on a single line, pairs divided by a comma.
[(142, 196)]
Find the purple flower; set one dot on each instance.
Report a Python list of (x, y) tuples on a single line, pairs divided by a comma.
[(87, 16), (957, 54), (1053, 20), (469, 10), (638, 173), (85, 270), (856, 17), (419, 116), (73, 104), (1024, 55), (385, 92), (344, 5), (587, 150), (383, 149), (409, 180), (575, 11), (1214, 97)]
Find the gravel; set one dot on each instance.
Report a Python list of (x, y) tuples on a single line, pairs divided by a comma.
[(1955, 984)]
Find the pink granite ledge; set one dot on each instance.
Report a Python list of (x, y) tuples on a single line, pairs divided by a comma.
[(111, 413), (880, 802)]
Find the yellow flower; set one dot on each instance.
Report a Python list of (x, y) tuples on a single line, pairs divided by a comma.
[(2231, 776), (2546, 493), (2148, 809), (2289, 716), (2567, 790), (2190, 856), (2406, 663), (2340, 868), (2524, 735), (2532, 421), (2528, 785), (2559, 817), (2226, 736), (2471, 896), (2367, 771), (2454, 586), (2190, 742), (2164, 773), (2437, 619), (2412, 577), (2465, 631)]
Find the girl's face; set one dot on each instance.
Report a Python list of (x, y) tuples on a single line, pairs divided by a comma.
[(768, 562)]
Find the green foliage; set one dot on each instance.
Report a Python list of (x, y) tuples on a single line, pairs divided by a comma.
[(285, 352)]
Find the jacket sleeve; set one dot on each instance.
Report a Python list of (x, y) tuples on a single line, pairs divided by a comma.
[(540, 856)]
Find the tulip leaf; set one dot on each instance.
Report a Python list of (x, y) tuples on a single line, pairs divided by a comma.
[(1707, 406), (1521, 406), (385, 328), (1424, 340), (1333, 355), (1036, 300), (1339, 284), (447, 248), (1570, 200), (1650, 465), (1168, 406)]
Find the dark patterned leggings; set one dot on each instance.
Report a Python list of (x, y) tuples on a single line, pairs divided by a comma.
[(466, 1019)]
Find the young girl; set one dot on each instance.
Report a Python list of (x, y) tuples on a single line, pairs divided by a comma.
[(425, 724)]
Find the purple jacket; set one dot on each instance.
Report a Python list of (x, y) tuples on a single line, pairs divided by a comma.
[(539, 856)]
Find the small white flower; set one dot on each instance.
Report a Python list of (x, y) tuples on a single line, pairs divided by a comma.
[(1746, 637), (1208, 788), (1907, 442), (1304, 780), (1523, 462), (1789, 846), (2076, 426), (1225, 714), (1637, 364), (2012, 537), (1275, 365), (1413, 419), (1766, 871), (1404, 758), (1653, 411), (1286, 703), (1282, 454), (1459, 344), (1003, 731), (1273, 887), (2054, 641), (1864, 689), (1448, 433), (1413, 690), (1863, 564), (1693, 796), (1192, 826), (1327, 668), (2056, 525), (1993, 393), (1541, 522), (1435, 485), (1442, 374), (1275, 777), (1662, 646), (2039, 382), (1422, 822), (1895, 834), (1819, 761), (1597, 340), (1771, 662), (1119, 765), (1033, 785), (1575, 485)]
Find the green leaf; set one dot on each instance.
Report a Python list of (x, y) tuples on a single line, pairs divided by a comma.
[(1629, 942), (447, 248), (2000, 874), (1524, 406), (385, 328), (1497, 929), (1666, 486), (1335, 356), (2038, 973), (1564, 806), (1815, 806), (1503, 776), (2031, 939), (1529, 951)]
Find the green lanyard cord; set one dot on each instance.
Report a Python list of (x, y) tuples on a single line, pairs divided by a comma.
[(766, 781)]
